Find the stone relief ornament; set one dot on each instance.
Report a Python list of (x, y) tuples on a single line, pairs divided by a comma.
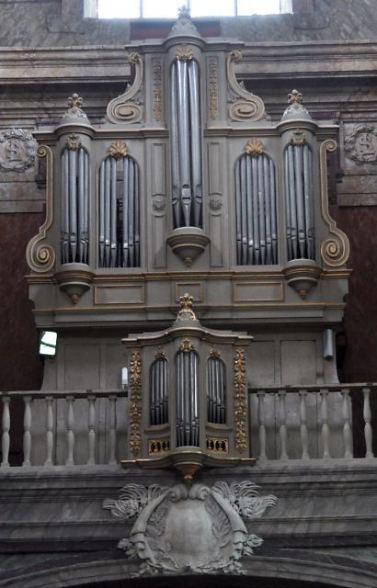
[(361, 144), (18, 150), (190, 529)]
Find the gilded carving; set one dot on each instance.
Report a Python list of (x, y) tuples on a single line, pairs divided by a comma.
[(334, 250), (157, 89), (186, 312), (186, 346), (218, 445), (213, 91), (73, 142), (17, 150), (39, 255), (244, 106), (184, 53), (118, 149), (361, 144), (298, 138), (158, 446), (190, 528), (254, 147), (215, 354), (135, 404), (240, 400), (160, 354)]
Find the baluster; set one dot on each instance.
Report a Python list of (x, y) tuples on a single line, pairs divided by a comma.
[(49, 431), (347, 437), (70, 431), (27, 431), (91, 429), (325, 426), (368, 431), (262, 426), (5, 441), (283, 425), (113, 426), (303, 425)]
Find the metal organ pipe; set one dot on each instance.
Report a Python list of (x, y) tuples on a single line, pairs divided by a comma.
[(119, 214), (74, 205), (256, 222), (187, 407), (186, 144), (299, 194), (159, 392), (216, 391)]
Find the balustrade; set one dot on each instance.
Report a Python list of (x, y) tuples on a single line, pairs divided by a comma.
[(288, 423), (63, 428), (310, 423)]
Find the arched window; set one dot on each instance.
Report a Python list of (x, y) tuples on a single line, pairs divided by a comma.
[(187, 390), (74, 200), (216, 391), (256, 218), (119, 213), (158, 388), (298, 162)]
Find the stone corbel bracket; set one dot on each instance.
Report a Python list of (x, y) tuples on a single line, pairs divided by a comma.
[(126, 108), (190, 529), (244, 106), (39, 255), (335, 250)]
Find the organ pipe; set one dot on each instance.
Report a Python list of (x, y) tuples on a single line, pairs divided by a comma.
[(186, 144), (159, 392), (74, 221), (119, 214), (299, 194), (216, 391), (256, 222), (187, 408)]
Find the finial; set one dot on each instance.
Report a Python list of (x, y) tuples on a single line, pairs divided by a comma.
[(295, 108), (186, 312), (184, 25), (184, 11), (74, 112), (295, 97)]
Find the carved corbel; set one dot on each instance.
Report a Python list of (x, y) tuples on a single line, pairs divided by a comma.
[(125, 108), (40, 256), (334, 250), (245, 106)]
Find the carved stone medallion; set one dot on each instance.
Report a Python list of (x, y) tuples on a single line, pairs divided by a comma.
[(361, 144), (18, 149), (190, 529)]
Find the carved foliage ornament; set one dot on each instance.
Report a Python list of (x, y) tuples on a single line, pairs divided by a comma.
[(254, 147), (73, 142), (240, 400), (17, 150), (361, 144), (186, 312), (190, 529), (118, 149), (184, 53), (135, 404)]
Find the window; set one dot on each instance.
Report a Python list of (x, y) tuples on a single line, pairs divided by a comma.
[(198, 8)]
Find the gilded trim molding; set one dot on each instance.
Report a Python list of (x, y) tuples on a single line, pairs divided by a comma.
[(135, 404)]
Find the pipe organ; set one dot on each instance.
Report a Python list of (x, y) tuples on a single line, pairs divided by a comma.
[(186, 186)]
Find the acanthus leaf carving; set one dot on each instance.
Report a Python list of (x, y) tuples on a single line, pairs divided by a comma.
[(190, 528)]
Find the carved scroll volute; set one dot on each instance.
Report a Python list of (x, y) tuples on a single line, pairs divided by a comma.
[(244, 106), (40, 256), (126, 108), (334, 250)]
